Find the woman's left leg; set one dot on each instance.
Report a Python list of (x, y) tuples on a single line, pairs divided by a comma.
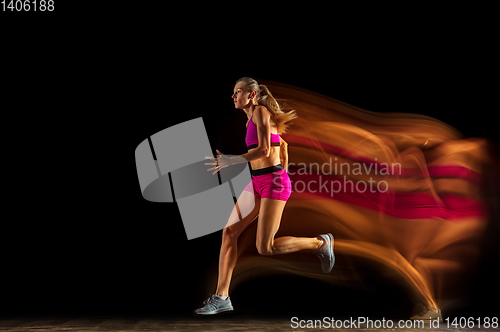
[(270, 214)]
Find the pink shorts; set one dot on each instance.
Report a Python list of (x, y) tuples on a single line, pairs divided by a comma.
[(270, 182)]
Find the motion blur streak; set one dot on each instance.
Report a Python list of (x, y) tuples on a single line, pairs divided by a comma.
[(423, 230)]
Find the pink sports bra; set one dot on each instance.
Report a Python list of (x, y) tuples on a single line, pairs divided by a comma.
[(252, 139)]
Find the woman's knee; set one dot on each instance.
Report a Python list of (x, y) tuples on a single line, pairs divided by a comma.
[(265, 249), (229, 234)]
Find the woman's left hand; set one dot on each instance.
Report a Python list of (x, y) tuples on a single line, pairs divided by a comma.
[(220, 162)]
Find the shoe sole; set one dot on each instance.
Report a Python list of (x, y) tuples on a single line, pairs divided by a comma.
[(218, 311), (332, 255)]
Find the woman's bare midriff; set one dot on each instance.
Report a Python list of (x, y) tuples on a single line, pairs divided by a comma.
[(273, 159)]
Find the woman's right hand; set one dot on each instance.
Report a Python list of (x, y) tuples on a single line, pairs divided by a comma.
[(220, 162)]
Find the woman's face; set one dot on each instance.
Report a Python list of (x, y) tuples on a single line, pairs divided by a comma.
[(242, 97)]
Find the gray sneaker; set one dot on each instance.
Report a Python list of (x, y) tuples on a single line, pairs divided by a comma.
[(325, 253), (215, 305)]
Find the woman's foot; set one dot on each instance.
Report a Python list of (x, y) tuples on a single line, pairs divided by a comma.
[(214, 305), (325, 252)]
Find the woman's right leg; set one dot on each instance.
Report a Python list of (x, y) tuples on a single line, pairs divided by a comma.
[(247, 206)]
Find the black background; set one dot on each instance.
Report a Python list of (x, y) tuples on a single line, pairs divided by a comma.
[(84, 89)]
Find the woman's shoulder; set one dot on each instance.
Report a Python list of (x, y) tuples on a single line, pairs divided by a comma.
[(261, 112), (260, 108)]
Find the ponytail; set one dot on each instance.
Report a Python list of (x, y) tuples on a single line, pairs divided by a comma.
[(282, 119)]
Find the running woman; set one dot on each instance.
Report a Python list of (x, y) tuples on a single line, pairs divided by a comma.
[(265, 196)]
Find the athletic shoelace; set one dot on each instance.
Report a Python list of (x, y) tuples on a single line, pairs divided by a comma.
[(210, 302)]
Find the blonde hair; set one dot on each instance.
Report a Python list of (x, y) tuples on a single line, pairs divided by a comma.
[(265, 98)]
